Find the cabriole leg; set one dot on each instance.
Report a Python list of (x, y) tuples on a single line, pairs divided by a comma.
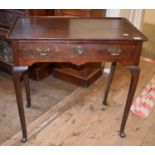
[(17, 73), (135, 71)]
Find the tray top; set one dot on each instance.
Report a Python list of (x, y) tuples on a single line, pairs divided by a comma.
[(55, 28)]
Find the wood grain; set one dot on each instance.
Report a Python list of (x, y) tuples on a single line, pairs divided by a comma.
[(87, 122)]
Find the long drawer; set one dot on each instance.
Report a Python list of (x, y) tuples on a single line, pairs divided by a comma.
[(75, 53)]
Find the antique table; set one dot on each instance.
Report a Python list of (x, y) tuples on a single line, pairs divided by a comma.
[(77, 41)]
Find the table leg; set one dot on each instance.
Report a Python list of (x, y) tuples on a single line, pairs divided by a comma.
[(27, 89), (108, 83), (135, 71), (17, 73)]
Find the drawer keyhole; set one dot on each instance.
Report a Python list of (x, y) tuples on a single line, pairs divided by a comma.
[(79, 50)]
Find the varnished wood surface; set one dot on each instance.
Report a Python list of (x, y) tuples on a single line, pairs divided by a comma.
[(71, 74), (74, 28), (108, 31), (27, 54), (81, 121), (7, 17)]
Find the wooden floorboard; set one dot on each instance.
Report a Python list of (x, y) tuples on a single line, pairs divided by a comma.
[(85, 121), (44, 94)]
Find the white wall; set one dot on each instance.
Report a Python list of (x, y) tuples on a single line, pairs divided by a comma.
[(135, 16), (112, 12), (149, 16), (118, 13)]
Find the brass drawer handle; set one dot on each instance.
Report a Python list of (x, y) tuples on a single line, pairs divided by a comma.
[(79, 50), (114, 51), (42, 51)]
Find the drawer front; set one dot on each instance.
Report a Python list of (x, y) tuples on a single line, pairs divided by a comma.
[(75, 53)]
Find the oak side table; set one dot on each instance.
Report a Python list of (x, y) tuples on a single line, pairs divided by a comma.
[(77, 41)]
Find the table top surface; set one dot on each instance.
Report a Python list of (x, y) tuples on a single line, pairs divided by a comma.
[(56, 28)]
